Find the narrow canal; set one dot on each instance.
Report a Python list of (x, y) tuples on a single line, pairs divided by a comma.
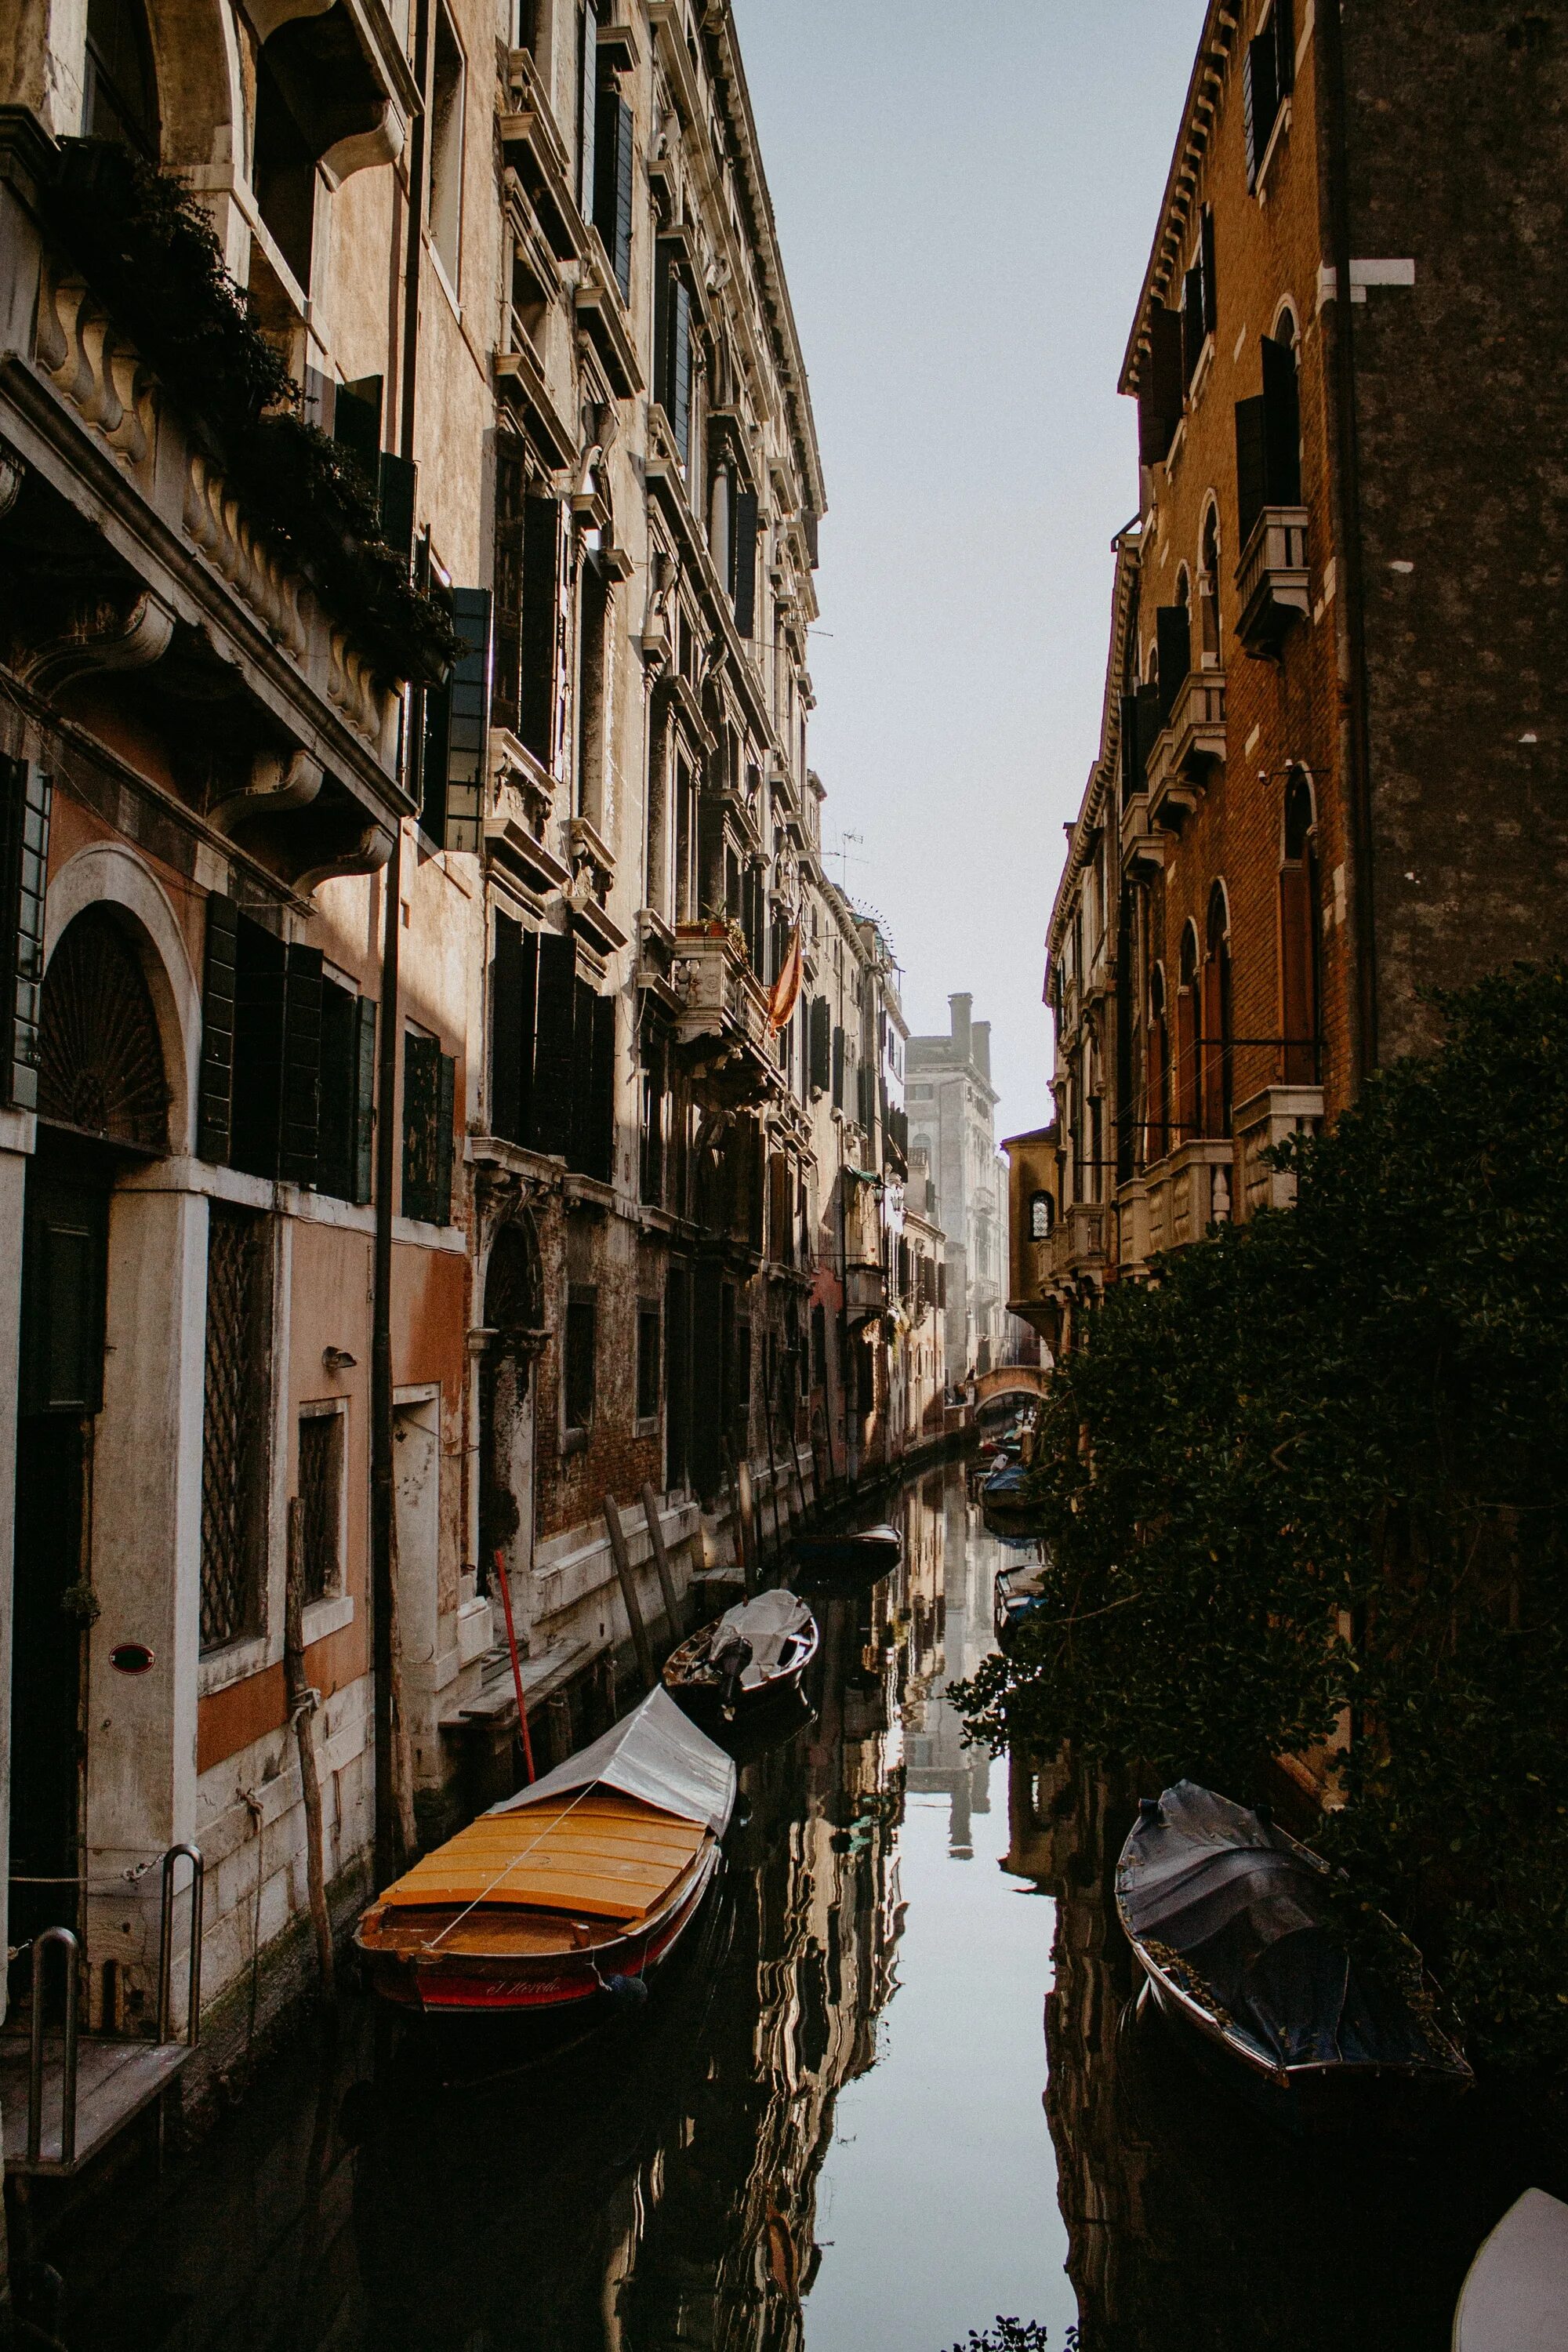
[(850, 2120)]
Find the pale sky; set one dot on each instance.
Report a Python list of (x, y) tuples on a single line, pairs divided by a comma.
[(966, 195)]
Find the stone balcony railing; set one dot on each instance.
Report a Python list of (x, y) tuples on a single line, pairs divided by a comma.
[(1191, 743), (1267, 1119), (723, 1017), (1078, 1245), (1272, 579), (1176, 1200), (1143, 847)]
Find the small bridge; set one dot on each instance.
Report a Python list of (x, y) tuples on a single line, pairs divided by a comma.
[(1010, 1379)]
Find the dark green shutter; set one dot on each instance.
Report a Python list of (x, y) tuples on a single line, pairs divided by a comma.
[(23, 879), (446, 1113), (215, 1095), (1131, 763), (580, 1156), (1251, 466), (1262, 98), (511, 507), (537, 626), (613, 187), (421, 1107), (601, 1157), (821, 1044), (837, 1069), (1174, 637), (340, 1036), (745, 561), (300, 1134), (1282, 425), (356, 421), (260, 996), (681, 366), (364, 1100), (1161, 386), (550, 1117), (398, 485), (467, 726), (506, 1038)]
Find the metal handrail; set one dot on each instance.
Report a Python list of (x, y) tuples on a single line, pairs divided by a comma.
[(166, 1947), (67, 1942)]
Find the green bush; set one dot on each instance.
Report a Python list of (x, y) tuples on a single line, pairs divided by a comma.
[(1314, 1474)]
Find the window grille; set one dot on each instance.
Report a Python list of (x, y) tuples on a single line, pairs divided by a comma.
[(321, 1499), (234, 1427)]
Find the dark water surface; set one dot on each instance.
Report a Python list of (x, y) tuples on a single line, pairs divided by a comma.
[(826, 2133)]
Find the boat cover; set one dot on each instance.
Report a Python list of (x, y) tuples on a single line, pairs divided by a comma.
[(769, 1624), (1515, 2295), (657, 1754), (1210, 1881)]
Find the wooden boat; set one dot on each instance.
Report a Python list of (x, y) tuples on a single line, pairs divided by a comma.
[(1515, 2295), (579, 1886), (1006, 1503), (1018, 1595), (1228, 1918), (858, 1557), (755, 1653)]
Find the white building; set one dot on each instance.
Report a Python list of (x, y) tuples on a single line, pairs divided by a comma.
[(951, 1113)]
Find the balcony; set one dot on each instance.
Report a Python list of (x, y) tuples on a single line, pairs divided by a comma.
[(1142, 849), (1267, 1119), (1271, 579), (865, 1292), (1189, 747), (536, 151), (1176, 1200), (721, 1027), (1078, 1245)]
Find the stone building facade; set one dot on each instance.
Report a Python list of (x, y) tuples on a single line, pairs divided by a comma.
[(952, 1106), (422, 1121), (1331, 747)]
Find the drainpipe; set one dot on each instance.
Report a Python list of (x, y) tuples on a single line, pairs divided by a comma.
[(1336, 320), (390, 1857)]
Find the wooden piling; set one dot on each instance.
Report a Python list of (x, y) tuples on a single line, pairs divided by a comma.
[(661, 1562), (629, 1592)]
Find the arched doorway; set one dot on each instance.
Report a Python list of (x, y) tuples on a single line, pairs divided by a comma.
[(103, 1104), (514, 1317)]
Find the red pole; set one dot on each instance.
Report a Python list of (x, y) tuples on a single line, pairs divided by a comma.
[(516, 1668)]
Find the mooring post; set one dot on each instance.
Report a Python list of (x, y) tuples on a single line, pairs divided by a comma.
[(629, 1592), (661, 1561)]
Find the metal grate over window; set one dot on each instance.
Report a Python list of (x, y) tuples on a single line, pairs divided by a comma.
[(234, 1427), (320, 1496)]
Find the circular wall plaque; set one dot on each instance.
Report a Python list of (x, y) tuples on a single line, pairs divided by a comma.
[(132, 1657)]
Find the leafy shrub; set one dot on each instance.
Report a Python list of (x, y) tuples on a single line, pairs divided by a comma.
[(1313, 1478)]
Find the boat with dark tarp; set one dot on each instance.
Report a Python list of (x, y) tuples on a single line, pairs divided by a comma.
[(846, 1561), (580, 1885), (1229, 1917), (756, 1652)]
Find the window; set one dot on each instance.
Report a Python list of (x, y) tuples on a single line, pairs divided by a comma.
[(25, 804), (1268, 436), (1301, 938), (1270, 77), (1186, 1070), (1156, 1074), (235, 1395), (446, 146), (612, 184), (1161, 386), (655, 1085), (1208, 591), (1215, 1042), (672, 351), (1173, 625), (1041, 1208), (456, 724), (347, 1094), (527, 605), (581, 1367), (819, 1347), (587, 103), (283, 174), (320, 1501), (593, 634), (1199, 307), (429, 1086), (119, 91), (649, 1343)]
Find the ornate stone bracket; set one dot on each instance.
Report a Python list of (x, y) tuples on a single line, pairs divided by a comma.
[(103, 634), (276, 784)]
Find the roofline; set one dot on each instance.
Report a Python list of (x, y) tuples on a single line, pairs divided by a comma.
[(1128, 544), (1221, 26)]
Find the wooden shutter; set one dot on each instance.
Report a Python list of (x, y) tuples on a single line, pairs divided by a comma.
[(1261, 99), (821, 1044), (339, 1097), (1161, 386), (587, 107), (537, 626), (446, 1112), (745, 561), (613, 187), (599, 1047), (260, 988), (508, 1043), (1157, 1139), (1251, 466), (215, 1098), (300, 1138), (1297, 1010), (1206, 262), (1192, 322), (837, 1068), (550, 1110), (1211, 1048), (681, 366), (364, 1099), (1173, 637), (356, 421), (1281, 426), (25, 804), (468, 729)]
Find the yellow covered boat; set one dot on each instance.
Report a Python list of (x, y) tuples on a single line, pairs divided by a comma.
[(580, 1885)]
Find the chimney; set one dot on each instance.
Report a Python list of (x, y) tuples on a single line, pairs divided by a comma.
[(959, 1009), (981, 1048)]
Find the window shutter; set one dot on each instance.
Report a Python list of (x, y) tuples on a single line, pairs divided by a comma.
[(587, 109), (1157, 1139), (821, 1044), (680, 367), (537, 624), (356, 421), (1191, 323), (600, 1160), (550, 1110), (1149, 720), (1161, 386), (613, 187), (260, 990), (1284, 29), (335, 1155), (446, 1111), (1131, 761), (1186, 1064), (302, 1066), (1282, 425), (866, 1092), (215, 1101), (398, 481), (1174, 637), (25, 793), (1212, 1049), (364, 1099), (745, 559), (1251, 466), (1211, 283), (469, 717), (1298, 1012), (421, 1104), (1261, 97), (837, 1068), (508, 1041)]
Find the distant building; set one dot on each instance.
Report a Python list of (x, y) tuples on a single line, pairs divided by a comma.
[(952, 1112)]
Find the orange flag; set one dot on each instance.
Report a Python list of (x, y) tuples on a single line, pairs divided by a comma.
[(786, 987)]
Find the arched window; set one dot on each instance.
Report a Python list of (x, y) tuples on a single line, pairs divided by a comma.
[(1042, 1215), (1300, 937), (101, 1058), (1187, 1073), (1208, 591), (1157, 1136), (119, 98), (1216, 1032)]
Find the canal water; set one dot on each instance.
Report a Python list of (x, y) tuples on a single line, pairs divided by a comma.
[(896, 2086)]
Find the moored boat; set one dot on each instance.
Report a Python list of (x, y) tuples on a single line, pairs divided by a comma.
[(1019, 1595), (1515, 2295), (1006, 1502), (1228, 1916), (755, 1653), (579, 1886), (858, 1557)]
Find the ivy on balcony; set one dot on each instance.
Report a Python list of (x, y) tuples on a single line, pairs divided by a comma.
[(148, 251)]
